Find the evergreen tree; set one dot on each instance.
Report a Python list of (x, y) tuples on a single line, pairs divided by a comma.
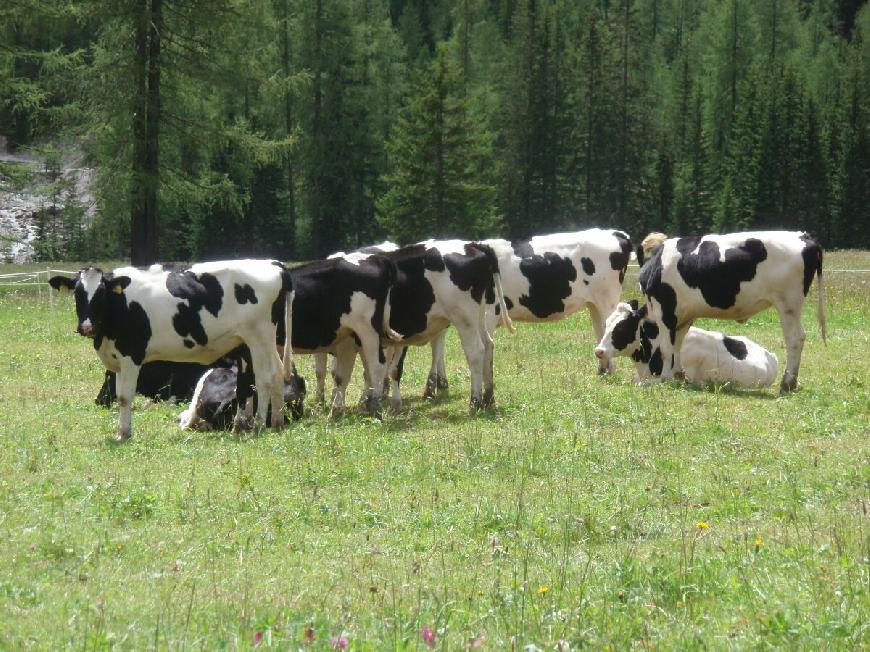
[(436, 187)]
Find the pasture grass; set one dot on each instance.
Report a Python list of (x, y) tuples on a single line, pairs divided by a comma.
[(581, 512)]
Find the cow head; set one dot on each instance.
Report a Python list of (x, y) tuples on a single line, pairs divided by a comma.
[(294, 393), (622, 331), (92, 290)]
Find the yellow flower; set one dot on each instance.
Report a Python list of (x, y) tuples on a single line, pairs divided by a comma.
[(543, 590), (703, 525), (758, 543)]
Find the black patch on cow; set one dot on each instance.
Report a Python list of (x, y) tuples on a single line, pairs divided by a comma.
[(189, 343), (812, 255), (278, 303), (550, 277), (656, 364), (585, 282), (651, 284), (588, 265), (199, 291), (473, 271), (719, 281), (650, 329), (508, 303), (619, 259), (127, 326), (433, 261), (627, 330), (400, 365), (161, 380), (245, 294), (735, 347)]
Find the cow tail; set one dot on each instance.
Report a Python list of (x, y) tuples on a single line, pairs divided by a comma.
[(821, 308), (492, 259), (287, 360), (505, 317), (387, 331)]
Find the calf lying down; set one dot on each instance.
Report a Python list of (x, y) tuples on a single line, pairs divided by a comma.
[(706, 355), (215, 398)]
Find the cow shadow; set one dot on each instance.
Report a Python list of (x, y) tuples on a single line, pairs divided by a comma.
[(728, 389)]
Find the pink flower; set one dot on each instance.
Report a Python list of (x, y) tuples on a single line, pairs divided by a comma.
[(258, 636), (475, 643), (339, 642), (429, 637)]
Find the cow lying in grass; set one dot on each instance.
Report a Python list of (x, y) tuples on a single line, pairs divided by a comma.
[(706, 356), (731, 276), (195, 315), (216, 396)]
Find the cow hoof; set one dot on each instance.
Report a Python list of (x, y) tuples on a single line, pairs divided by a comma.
[(787, 385), (395, 405), (488, 399), (123, 435), (441, 384), (431, 388), (373, 407), (680, 375), (297, 410)]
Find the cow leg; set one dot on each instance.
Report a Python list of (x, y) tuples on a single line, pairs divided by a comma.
[(375, 362), (678, 346), (490, 322), (396, 368), (244, 393), (277, 394), (342, 370), (264, 360), (794, 334), (126, 388), (437, 379), (320, 376), (598, 320), (472, 345)]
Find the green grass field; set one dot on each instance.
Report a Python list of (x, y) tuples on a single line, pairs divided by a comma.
[(580, 512)]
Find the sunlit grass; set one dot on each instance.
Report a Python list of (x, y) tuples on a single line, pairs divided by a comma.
[(590, 487)]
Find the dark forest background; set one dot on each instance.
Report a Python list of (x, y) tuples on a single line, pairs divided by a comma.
[(294, 128)]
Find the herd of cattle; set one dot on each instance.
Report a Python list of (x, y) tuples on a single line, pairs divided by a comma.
[(216, 331)]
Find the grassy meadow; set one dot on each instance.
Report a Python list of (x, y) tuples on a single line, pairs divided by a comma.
[(582, 511)]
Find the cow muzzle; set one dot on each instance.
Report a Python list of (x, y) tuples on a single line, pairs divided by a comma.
[(600, 353), (86, 329)]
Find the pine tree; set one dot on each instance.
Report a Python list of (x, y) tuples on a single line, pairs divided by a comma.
[(436, 187)]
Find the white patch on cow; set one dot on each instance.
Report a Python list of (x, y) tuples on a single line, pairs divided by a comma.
[(188, 419)]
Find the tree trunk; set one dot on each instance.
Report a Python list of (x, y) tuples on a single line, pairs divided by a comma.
[(317, 137), (288, 129), (146, 134)]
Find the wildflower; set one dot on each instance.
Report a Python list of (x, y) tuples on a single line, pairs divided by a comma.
[(308, 635), (543, 589), (258, 636), (429, 637), (475, 643), (339, 642), (703, 525), (493, 543), (757, 545)]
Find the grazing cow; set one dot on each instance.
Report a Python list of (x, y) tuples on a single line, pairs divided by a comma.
[(195, 315), (705, 356), (161, 380), (550, 277), (344, 303), (731, 276), (215, 397)]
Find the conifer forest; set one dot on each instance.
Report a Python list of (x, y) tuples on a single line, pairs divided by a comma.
[(295, 128)]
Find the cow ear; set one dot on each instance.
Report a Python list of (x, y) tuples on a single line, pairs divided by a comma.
[(62, 283), (633, 304), (117, 284)]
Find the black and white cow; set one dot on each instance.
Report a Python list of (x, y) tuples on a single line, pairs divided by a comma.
[(706, 356), (444, 282), (216, 397), (320, 359), (344, 303), (550, 277), (732, 276), (195, 315)]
